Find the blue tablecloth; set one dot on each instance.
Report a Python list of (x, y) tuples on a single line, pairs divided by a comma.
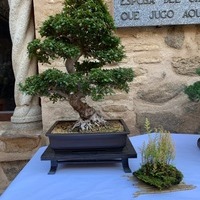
[(104, 181)]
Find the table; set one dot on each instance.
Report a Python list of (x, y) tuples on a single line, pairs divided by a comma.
[(104, 181)]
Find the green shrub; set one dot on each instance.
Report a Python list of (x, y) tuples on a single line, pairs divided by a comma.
[(193, 91), (157, 156)]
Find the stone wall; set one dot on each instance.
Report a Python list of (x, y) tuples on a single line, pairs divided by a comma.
[(164, 59), (16, 148)]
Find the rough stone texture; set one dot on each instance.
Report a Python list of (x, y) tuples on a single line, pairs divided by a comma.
[(177, 122), (160, 93), (16, 148), (4, 182), (114, 108), (197, 37), (20, 144), (147, 60), (8, 171), (167, 120), (142, 47), (49, 7), (191, 117), (175, 37), (186, 66), (11, 169)]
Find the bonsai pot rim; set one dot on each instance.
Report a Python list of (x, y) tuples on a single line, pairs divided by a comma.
[(87, 141)]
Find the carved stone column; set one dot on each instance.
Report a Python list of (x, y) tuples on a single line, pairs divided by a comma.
[(27, 113)]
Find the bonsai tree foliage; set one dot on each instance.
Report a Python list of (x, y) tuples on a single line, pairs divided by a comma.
[(193, 91), (157, 155), (83, 36)]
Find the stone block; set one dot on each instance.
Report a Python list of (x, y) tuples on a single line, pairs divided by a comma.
[(161, 93), (175, 37), (145, 47), (197, 37), (4, 182), (167, 120), (11, 169), (114, 108), (186, 66), (2, 146), (20, 144), (147, 59), (117, 97)]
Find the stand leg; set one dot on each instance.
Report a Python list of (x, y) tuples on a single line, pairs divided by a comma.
[(126, 165), (54, 165)]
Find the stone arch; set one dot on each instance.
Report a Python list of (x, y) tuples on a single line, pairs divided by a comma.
[(27, 113)]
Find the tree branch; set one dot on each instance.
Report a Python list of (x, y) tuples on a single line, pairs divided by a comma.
[(59, 93), (69, 64)]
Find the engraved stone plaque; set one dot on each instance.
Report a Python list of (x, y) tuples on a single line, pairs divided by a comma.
[(129, 13)]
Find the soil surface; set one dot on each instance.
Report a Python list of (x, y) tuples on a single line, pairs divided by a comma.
[(110, 126)]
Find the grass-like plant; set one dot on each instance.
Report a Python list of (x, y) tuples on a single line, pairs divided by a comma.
[(157, 156)]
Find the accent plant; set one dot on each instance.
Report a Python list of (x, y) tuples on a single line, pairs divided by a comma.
[(82, 34), (157, 155)]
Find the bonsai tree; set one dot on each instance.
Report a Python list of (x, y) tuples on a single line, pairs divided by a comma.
[(157, 155), (83, 36)]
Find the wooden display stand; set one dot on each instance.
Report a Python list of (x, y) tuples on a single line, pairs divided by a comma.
[(90, 156)]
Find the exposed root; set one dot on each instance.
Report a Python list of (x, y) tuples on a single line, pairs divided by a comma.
[(85, 125)]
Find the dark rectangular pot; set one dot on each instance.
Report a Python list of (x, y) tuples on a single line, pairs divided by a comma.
[(87, 141)]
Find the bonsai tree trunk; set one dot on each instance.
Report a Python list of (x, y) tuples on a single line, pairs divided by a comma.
[(84, 110), (88, 115), (69, 64)]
